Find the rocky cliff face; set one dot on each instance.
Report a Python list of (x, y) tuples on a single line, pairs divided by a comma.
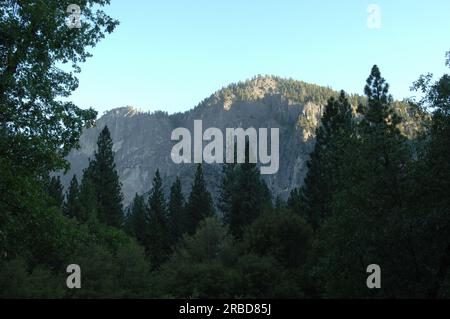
[(142, 141)]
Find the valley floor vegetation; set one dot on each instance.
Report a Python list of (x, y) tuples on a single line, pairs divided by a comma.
[(371, 195)]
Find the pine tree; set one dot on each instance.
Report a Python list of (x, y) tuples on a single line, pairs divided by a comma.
[(200, 204), (156, 201), (227, 191), (430, 195), (294, 202), (158, 237), (381, 141), (54, 190), (73, 205), (314, 198), (176, 211), (379, 106), (136, 221), (106, 182), (248, 202), (88, 198), (243, 195), (369, 210)]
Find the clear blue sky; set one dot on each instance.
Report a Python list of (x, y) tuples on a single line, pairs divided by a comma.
[(170, 54)]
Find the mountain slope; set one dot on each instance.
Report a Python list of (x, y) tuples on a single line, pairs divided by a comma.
[(142, 140)]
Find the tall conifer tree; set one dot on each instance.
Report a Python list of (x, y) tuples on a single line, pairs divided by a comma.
[(369, 210), (54, 189), (106, 182), (314, 198), (72, 205), (158, 237), (177, 217), (136, 221), (243, 195), (88, 199), (200, 204)]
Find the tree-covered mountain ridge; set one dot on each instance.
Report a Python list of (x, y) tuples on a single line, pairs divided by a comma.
[(142, 139)]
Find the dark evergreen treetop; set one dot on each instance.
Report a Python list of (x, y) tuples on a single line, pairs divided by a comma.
[(314, 199), (137, 220), (226, 191), (379, 109), (200, 204), (72, 204), (176, 211), (243, 195), (433, 185), (158, 236), (106, 182), (337, 117), (88, 198), (156, 201), (377, 89), (55, 191)]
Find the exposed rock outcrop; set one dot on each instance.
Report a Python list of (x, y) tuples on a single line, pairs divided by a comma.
[(142, 141)]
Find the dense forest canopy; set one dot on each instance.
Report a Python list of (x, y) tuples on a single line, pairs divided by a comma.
[(371, 195)]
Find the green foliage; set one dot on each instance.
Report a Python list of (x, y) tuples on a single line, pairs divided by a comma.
[(41, 129), (263, 277), (314, 198), (177, 217), (282, 235), (73, 205), (200, 204), (276, 247), (433, 170), (119, 273), (379, 102), (17, 282), (297, 91), (136, 223), (105, 181), (371, 195), (211, 264), (54, 189), (112, 264), (88, 200), (227, 191), (367, 199), (200, 265), (156, 201), (243, 195), (37, 130), (294, 202), (158, 235), (99, 197), (381, 214)]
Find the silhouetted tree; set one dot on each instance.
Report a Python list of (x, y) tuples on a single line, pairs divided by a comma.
[(88, 198), (54, 189), (200, 204), (73, 204), (320, 182), (243, 195), (158, 237), (137, 221), (369, 211), (177, 215), (106, 182)]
